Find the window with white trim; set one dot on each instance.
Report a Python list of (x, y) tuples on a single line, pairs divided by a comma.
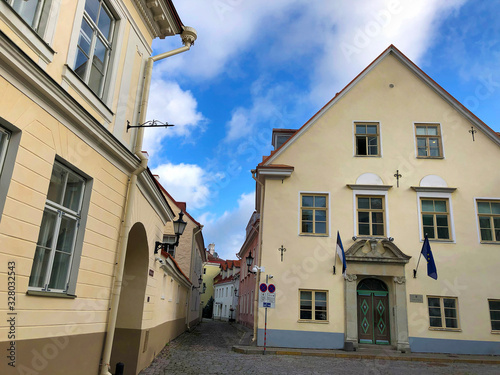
[(95, 45), (314, 213), (443, 312), (4, 143), (488, 212), (313, 305), (33, 12), (51, 270)]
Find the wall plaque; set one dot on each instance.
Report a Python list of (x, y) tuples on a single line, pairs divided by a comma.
[(417, 298), (151, 272)]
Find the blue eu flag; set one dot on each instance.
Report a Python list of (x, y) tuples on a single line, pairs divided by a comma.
[(427, 253)]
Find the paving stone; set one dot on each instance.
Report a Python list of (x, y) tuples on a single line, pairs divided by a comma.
[(207, 350)]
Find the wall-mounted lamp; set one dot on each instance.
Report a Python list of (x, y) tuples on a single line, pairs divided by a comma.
[(200, 281), (179, 226)]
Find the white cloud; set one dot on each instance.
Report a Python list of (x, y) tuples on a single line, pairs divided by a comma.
[(169, 103), (336, 39), (227, 232), (185, 183)]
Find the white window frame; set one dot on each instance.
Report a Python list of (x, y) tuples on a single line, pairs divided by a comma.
[(360, 192), (443, 315), (478, 229), (299, 218), (6, 136), (362, 122), (441, 136), (40, 42), (70, 79), (436, 195), (78, 216)]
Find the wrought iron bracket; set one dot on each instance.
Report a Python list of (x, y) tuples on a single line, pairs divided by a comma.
[(150, 124)]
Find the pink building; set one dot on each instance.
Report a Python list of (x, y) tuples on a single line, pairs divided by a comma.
[(247, 278)]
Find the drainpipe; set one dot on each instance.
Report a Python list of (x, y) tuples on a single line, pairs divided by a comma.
[(191, 266), (257, 279), (188, 37)]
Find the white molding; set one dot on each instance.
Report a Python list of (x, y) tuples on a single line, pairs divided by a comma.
[(329, 215), (20, 71), (72, 80), (27, 34), (447, 196), (477, 218), (363, 191), (276, 172)]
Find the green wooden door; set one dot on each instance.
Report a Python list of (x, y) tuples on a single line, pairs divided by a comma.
[(373, 317)]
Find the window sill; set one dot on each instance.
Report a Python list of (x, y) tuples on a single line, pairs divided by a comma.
[(367, 156), (495, 332), (39, 293), (439, 241), (313, 321), (489, 243), (26, 33), (430, 157), (75, 82), (313, 235), (445, 329)]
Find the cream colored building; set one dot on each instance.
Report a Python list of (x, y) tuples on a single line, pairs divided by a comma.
[(189, 254), (389, 159), (79, 210)]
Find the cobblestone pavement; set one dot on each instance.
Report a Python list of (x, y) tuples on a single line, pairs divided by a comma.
[(207, 350)]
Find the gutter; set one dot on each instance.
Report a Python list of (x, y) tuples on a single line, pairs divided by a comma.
[(259, 242), (188, 38)]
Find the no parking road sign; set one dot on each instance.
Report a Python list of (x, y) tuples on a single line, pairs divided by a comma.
[(267, 295)]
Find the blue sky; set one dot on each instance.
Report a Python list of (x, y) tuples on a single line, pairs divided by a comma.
[(259, 65)]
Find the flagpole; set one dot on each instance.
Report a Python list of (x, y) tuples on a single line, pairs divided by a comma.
[(415, 270), (335, 263)]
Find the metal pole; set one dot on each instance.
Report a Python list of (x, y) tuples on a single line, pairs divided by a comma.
[(265, 322), (415, 270)]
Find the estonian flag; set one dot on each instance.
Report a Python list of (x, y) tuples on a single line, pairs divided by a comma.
[(427, 253), (340, 252)]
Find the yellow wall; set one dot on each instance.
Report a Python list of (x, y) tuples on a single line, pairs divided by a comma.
[(324, 162)]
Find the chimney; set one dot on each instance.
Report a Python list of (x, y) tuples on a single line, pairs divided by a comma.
[(211, 248)]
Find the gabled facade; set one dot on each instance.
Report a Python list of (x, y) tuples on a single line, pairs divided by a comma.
[(226, 287), (247, 277), (80, 211), (388, 161)]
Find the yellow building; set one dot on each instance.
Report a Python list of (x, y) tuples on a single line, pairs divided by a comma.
[(79, 210), (189, 254), (211, 268), (387, 161)]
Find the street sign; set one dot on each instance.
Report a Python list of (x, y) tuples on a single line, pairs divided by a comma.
[(267, 295)]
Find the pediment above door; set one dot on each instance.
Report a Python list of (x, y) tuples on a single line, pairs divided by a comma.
[(376, 250)]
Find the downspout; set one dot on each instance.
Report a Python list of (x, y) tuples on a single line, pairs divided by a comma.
[(191, 266), (259, 242), (188, 37)]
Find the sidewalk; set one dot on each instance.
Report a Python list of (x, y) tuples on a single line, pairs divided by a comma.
[(370, 353)]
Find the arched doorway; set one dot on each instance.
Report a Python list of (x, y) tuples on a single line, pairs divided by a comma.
[(373, 312), (127, 339)]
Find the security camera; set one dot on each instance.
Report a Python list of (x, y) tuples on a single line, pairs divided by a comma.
[(255, 269), (159, 260), (271, 276)]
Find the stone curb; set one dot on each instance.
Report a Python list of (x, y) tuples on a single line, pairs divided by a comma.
[(495, 360)]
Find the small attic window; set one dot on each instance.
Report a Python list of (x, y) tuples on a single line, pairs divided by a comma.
[(280, 140)]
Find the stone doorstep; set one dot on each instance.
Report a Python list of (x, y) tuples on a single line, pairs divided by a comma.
[(421, 357)]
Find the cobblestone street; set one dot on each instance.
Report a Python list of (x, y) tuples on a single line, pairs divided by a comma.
[(207, 350)]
